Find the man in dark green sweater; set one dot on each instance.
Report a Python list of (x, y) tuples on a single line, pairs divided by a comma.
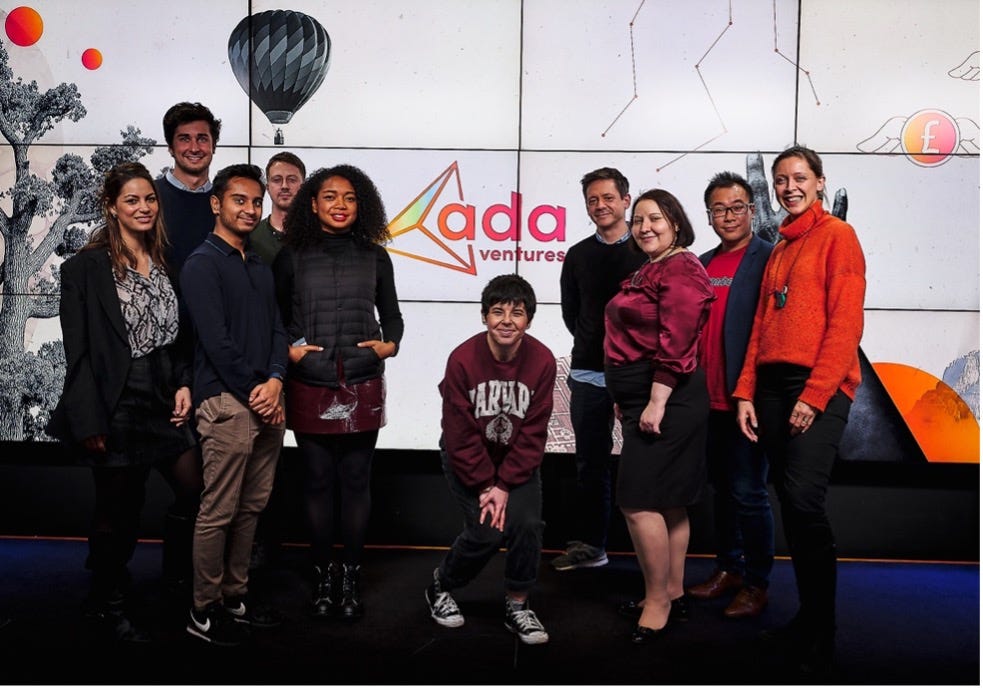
[(285, 172)]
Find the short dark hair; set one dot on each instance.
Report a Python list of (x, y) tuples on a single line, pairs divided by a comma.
[(620, 181), (225, 175), (811, 158), (288, 158), (509, 288), (183, 113), (723, 180), (674, 213)]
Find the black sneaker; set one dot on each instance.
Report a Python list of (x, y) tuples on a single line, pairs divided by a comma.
[(522, 620), (216, 625), (443, 608), (256, 615)]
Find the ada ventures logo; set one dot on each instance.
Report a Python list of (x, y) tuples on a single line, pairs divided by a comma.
[(445, 236)]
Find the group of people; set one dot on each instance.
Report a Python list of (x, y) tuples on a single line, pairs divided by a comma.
[(196, 332), (721, 368)]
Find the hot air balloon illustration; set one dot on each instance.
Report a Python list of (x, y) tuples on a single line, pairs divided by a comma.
[(279, 58)]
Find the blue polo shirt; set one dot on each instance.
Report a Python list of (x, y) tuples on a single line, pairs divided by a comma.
[(240, 341)]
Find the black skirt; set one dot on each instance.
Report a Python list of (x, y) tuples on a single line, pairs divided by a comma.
[(140, 432), (666, 470)]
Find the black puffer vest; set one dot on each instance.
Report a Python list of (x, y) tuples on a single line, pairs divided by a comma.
[(334, 307)]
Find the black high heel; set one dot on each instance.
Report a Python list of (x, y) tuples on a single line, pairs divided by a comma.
[(643, 635), (678, 610)]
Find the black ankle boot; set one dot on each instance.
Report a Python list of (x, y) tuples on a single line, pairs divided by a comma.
[(104, 608), (326, 585), (179, 533), (351, 596)]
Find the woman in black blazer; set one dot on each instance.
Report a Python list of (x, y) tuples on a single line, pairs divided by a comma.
[(126, 400)]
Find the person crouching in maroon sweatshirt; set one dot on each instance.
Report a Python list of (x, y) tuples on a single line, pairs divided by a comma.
[(497, 400)]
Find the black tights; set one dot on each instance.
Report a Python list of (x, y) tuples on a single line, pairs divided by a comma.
[(343, 461), (120, 493)]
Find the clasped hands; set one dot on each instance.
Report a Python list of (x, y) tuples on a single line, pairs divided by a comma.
[(264, 400), (492, 502)]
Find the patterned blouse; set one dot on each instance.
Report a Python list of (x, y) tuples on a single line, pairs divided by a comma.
[(149, 308)]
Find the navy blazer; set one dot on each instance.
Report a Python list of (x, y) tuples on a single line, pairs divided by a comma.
[(742, 302), (97, 348)]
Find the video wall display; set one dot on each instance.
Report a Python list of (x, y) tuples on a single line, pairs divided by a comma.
[(476, 120)]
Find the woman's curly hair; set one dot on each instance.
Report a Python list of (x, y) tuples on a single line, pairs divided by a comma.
[(302, 226)]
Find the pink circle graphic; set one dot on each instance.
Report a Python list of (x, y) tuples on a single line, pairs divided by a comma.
[(929, 137), (92, 58)]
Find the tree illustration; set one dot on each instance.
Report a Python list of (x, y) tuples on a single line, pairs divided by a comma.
[(31, 383)]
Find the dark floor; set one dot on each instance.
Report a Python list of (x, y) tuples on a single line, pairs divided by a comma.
[(899, 624)]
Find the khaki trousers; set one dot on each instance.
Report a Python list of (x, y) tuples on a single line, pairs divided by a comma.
[(239, 455)]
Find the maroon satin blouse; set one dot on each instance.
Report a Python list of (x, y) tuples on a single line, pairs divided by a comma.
[(658, 315)]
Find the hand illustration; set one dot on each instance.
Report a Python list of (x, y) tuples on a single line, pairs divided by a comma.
[(969, 69), (766, 219), (969, 135)]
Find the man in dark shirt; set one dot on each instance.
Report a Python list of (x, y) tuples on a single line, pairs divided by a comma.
[(191, 132), (592, 271), (240, 362), (285, 172)]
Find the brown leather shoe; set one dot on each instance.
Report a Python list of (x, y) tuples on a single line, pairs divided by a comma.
[(748, 603), (719, 584)]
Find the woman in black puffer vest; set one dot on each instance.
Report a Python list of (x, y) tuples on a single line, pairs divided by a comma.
[(338, 301)]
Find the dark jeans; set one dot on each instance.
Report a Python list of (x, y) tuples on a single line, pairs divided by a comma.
[(743, 523), (592, 418), (801, 468), (477, 543)]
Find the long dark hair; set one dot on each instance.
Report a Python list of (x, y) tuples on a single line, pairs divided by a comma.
[(109, 235), (302, 226)]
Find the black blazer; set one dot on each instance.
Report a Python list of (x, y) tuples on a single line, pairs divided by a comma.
[(742, 302), (97, 350)]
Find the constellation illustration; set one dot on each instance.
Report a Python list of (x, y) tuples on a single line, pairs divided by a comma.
[(703, 82)]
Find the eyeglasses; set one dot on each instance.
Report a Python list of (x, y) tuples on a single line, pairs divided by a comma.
[(721, 211)]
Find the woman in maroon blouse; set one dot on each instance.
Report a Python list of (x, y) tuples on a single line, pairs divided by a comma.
[(651, 345)]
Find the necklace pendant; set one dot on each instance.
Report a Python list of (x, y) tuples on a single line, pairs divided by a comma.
[(781, 297)]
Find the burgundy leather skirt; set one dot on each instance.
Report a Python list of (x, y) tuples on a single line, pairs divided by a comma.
[(349, 409)]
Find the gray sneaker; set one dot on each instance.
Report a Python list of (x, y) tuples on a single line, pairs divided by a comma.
[(580, 555), (522, 620)]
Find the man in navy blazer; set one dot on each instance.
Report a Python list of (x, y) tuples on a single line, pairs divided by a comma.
[(743, 522)]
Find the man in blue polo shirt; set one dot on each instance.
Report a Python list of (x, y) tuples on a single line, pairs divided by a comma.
[(240, 361)]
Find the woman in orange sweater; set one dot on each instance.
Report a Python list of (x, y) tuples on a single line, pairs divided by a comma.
[(799, 378)]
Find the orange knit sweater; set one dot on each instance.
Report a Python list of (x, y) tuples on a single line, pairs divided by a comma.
[(820, 325)]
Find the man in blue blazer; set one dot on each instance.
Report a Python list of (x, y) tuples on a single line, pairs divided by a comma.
[(743, 521)]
